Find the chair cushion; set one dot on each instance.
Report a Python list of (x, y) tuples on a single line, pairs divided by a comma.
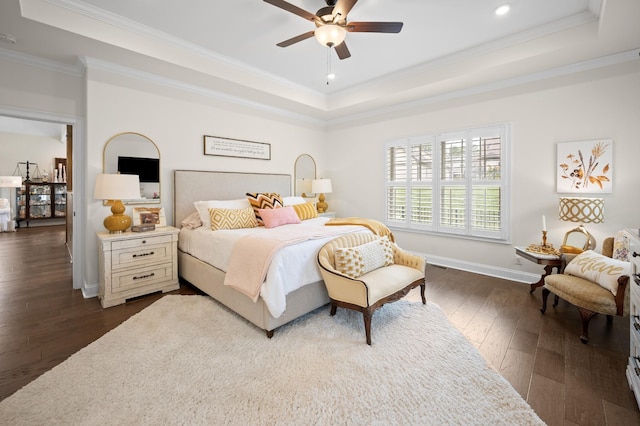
[(383, 282), (582, 293), (597, 268)]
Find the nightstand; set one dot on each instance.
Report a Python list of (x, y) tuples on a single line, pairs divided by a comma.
[(327, 214), (136, 263)]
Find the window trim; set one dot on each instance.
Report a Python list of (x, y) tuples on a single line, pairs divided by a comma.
[(437, 183)]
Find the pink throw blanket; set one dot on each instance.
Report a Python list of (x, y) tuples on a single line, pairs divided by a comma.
[(251, 255)]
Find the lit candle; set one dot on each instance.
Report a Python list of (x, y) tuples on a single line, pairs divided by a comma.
[(544, 223)]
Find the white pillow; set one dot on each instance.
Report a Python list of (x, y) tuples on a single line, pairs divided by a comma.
[(203, 207), (292, 201), (599, 269)]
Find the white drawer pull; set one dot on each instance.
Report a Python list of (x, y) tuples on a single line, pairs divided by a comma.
[(144, 276)]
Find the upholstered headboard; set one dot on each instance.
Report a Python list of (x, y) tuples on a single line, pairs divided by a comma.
[(196, 185)]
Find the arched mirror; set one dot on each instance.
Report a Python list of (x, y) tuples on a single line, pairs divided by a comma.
[(304, 173), (134, 153)]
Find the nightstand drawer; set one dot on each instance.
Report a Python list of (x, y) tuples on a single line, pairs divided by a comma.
[(141, 242), (130, 279), (140, 256)]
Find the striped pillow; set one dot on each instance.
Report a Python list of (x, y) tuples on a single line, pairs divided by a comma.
[(264, 200), (232, 218), (305, 211)]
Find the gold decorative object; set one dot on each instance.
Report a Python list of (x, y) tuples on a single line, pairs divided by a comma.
[(543, 249)]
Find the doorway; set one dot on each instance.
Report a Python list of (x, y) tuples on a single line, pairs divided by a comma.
[(68, 147)]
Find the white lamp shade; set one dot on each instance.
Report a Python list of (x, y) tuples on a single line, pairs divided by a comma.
[(10, 181), (117, 187), (321, 186), (330, 34)]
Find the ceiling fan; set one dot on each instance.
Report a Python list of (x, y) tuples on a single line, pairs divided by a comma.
[(332, 26)]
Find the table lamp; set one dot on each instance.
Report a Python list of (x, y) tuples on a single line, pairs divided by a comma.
[(583, 210), (321, 187), (115, 188)]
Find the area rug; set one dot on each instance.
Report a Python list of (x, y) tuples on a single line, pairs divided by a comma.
[(188, 360)]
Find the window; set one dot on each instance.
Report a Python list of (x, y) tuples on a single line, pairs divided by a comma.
[(453, 183)]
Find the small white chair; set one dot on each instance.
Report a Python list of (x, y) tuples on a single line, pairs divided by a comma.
[(5, 215), (372, 290)]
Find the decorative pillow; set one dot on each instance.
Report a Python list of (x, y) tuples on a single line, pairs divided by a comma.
[(192, 221), (263, 200), (277, 217), (291, 201), (597, 268), (305, 211), (357, 261), (203, 206), (232, 218)]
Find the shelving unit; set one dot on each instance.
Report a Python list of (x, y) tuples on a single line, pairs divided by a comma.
[(41, 201)]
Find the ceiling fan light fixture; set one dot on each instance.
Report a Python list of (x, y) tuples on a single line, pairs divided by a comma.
[(330, 34)]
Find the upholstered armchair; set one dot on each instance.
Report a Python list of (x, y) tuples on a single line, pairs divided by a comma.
[(592, 284), (367, 292)]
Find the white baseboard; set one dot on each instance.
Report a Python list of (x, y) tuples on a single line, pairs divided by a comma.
[(89, 290), (477, 268)]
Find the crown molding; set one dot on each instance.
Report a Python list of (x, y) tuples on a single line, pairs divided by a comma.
[(98, 64), (35, 61)]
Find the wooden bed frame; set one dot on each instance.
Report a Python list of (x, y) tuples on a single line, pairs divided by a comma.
[(193, 185)]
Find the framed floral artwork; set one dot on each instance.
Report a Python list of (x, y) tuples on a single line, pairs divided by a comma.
[(148, 215), (585, 167)]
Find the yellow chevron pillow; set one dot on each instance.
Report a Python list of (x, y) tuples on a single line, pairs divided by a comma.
[(232, 218), (305, 211), (357, 261)]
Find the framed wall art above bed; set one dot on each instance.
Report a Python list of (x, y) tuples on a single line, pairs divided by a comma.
[(227, 147)]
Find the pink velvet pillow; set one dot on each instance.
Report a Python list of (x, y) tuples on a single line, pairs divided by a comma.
[(278, 217)]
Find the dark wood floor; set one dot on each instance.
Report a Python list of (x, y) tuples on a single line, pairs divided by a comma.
[(43, 321)]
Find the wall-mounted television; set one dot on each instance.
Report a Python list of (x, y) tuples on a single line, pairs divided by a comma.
[(148, 169)]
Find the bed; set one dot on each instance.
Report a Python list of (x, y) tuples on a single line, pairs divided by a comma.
[(190, 186)]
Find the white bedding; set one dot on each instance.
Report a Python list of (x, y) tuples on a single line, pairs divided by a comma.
[(291, 268)]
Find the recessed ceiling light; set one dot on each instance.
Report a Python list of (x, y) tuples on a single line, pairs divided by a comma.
[(331, 76), (502, 10)]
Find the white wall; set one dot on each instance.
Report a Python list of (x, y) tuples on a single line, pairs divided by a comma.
[(177, 121), (36, 149), (602, 104)]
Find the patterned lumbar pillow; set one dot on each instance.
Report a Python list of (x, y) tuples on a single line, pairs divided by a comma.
[(357, 261), (305, 211), (232, 218), (264, 200), (599, 269)]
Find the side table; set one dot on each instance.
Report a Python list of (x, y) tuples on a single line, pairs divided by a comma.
[(549, 262)]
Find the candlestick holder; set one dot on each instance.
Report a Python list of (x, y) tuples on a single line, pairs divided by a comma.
[(544, 239)]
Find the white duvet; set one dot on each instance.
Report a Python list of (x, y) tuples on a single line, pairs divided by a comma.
[(291, 268)]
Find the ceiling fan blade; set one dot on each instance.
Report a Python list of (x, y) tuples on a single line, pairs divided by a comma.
[(296, 39), (343, 7), (293, 9), (342, 51), (374, 27)]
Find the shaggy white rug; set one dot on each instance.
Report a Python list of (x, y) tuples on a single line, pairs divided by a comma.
[(188, 360)]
